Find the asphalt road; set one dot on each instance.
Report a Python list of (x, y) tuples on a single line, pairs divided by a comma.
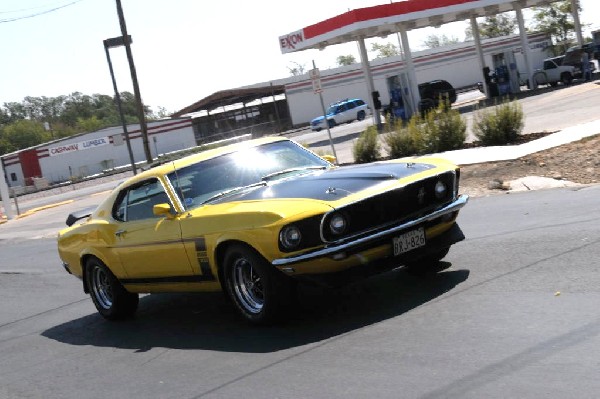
[(515, 315)]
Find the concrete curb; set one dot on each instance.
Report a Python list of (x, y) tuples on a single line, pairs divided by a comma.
[(41, 208)]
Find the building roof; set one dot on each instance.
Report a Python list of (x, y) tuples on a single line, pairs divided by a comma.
[(230, 97)]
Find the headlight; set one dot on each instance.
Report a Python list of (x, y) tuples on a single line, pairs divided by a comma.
[(440, 190), (290, 237), (337, 224)]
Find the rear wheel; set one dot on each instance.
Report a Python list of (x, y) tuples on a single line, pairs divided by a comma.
[(111, 299), (259, 291), (566, 78)]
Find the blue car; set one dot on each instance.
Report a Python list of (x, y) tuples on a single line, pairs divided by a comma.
[(343, 111)]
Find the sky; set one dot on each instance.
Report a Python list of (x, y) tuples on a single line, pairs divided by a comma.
[(183, 50)]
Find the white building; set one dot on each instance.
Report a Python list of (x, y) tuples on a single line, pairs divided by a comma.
[(92, 153)]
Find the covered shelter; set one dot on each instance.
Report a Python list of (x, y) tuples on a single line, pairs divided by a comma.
[(403, 16), (255, 110)]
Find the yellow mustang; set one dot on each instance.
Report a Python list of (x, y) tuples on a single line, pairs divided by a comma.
[(254, 217)]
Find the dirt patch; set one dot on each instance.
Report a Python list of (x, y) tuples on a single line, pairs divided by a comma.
[(578, 162)]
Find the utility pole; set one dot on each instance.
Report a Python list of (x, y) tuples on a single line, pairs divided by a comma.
[(136, 88)]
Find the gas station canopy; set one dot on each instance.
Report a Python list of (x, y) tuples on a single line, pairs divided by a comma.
[(382, 20)]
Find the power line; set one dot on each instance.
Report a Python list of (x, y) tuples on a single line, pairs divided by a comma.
[(37, 13)]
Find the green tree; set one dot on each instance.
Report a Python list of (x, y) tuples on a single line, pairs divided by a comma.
[(89, 124), (385, 50), (503, 24), (434, 41), (345, 60), (162, 113), (556, 20), (22, 134), (297, 70)]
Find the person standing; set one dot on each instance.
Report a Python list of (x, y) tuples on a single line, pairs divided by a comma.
[(585, 66)]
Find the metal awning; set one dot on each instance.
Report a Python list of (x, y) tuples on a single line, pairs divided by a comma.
[(229, 97)]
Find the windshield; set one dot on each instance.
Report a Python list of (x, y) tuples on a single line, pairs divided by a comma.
[(331, 110), (245, 169)]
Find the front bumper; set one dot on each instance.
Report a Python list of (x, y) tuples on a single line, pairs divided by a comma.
[(363, 242)]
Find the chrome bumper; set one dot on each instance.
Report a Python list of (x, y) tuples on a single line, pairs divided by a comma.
[(328, 251)]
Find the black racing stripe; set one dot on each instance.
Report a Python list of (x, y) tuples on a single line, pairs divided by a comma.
[(200, 244), (330, 185), (167, 280)]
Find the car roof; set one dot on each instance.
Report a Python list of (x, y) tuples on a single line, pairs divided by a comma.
[(346, 100)]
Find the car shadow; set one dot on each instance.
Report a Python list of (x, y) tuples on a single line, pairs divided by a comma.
[(208, 321)]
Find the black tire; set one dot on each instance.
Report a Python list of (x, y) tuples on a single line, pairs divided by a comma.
[(429, 264), (111, 299), (331, 123), (566, 78), (540, 79), (361, 115), (259, 291)]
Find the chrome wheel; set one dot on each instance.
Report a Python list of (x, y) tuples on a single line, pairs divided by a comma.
[(110, 298), (248, 286), (101, 288), (259, 292)]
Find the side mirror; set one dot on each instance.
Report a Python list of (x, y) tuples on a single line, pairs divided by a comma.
[(163, 210), (329, 158)]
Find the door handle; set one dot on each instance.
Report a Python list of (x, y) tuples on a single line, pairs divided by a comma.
[(119, 233)]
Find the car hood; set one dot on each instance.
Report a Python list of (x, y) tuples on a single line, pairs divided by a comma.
[(332, 184), (320, 118)]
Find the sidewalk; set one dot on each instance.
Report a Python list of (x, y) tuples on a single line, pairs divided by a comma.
[(504, 153)]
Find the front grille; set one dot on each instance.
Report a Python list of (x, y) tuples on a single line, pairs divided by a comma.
[(392, 207)]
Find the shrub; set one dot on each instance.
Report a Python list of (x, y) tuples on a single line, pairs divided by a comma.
[(407, 139), (451, 129), (440, 129), (367, 147), (500, 125)]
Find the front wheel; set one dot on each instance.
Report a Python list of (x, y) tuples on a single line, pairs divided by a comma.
[(111, 299), (331, 123), (361, 115), (259, 291)]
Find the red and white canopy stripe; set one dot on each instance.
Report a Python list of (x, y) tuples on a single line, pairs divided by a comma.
[(385, 19)]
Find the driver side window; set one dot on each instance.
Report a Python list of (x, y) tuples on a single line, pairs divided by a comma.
[(136, 202)]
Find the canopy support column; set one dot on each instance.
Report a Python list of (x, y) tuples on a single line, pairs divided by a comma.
[(576, 22), (478, 48), (525, 45), (410, 68), (369, 78)]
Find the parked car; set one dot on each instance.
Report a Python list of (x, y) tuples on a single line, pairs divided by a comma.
[(573, 57), (342, 111), (432, 92), (254, 217), (553, 71)]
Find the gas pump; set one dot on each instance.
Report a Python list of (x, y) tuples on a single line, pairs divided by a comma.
[(400, 106), (506, 73)]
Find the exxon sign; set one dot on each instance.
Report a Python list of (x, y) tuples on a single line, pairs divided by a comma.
[(291, 42)]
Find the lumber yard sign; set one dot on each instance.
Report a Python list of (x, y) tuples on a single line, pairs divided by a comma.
[(82, 145)]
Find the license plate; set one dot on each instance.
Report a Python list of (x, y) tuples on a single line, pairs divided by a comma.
[(409, 241)]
